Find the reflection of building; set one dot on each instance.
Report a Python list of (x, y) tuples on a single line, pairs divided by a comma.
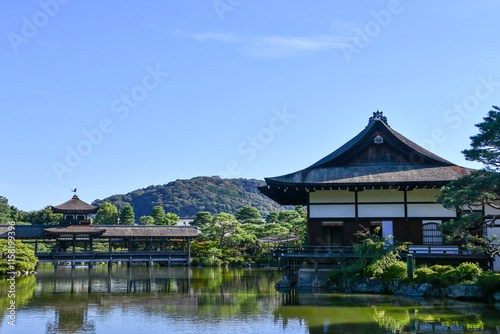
[(75, 239), (377, 179)]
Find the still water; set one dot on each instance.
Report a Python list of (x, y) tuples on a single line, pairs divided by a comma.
[(207, 300)]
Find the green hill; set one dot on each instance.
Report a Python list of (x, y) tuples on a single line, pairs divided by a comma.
[(188, 197)]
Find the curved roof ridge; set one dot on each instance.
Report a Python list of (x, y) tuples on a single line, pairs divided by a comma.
[(367, 130)]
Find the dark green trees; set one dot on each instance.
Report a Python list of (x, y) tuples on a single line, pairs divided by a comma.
[(469, 193)]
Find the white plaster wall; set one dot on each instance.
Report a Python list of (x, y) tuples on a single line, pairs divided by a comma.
[(381, 210), (331, 196), (495, 231), (488, 210), (332, 211), (422, 195), (380, 195), (429, 210)]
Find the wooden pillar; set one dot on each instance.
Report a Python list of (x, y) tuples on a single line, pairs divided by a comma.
[(74, 245), (130, 244), (36, 245), (91, 244), (110, 248), (189, 252)]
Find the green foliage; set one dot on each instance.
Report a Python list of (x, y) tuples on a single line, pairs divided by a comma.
[(25, 259), (41, 217), (434, 278), (127, 216), (187, 197), (452, 277), (441, 269), (477, 188), (248, 215), (335, 276), (5, 212), (421, 274), (170, 219), (469, 270), (486, 144), (397, 270), (490, 281), (146, 220), (375, 253), (107, 214), (158, 214)]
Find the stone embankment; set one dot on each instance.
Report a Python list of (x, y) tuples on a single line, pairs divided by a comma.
[(310, 278)]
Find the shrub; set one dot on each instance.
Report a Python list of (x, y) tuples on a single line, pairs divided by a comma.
[(433, 278), (440, 269), (489, 281), (421, 274), (195, 261), (451, 277), (372, 271), (397, 270), (469, 270), (335, 276)]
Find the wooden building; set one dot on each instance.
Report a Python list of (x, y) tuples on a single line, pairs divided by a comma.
[(74, 239), (378, 178)]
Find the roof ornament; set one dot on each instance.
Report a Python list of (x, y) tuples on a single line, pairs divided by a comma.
[(74, 190), (378, 116)]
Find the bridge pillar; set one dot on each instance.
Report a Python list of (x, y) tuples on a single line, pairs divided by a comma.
[(91, 264), (129, 264), (110, 263), (72, 264), (55, 264)]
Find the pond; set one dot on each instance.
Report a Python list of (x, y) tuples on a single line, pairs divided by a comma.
[(212, 300)]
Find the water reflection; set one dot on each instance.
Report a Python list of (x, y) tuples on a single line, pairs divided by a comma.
[(193, 300)]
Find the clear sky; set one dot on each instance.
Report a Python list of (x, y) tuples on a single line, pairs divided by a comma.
[(112, 96)]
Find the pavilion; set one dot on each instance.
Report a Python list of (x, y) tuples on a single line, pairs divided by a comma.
[(74, 239)]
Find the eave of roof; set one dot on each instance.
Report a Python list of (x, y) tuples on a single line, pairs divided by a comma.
[(74, 205), (110, 231)]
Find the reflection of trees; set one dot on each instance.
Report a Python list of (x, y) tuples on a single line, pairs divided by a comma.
[(375, 314), (25, 289)]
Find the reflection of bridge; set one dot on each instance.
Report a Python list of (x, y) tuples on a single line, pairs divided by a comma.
[(91, 258)]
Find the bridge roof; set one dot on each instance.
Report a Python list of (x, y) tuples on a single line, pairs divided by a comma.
[(103, 231)]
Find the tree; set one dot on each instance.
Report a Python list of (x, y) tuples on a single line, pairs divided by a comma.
[(146, 220), (248, 215), (224, 229), (478, 188), (41, 217), (170, 219), (107, 214), (5, 213), (202, 218), (158, 214), (127, 216), (25, 259)]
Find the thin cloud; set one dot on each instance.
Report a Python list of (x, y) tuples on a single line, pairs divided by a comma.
[(274, 46)]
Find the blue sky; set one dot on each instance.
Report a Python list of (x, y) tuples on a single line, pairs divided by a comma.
[(113, 96)]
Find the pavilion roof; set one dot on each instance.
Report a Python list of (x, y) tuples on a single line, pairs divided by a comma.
[(74, 205), (378, 157)]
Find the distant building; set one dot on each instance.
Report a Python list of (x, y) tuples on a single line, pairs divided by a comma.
[(73, 239)]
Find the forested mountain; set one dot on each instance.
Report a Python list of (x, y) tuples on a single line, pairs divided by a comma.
[(188, 197)]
